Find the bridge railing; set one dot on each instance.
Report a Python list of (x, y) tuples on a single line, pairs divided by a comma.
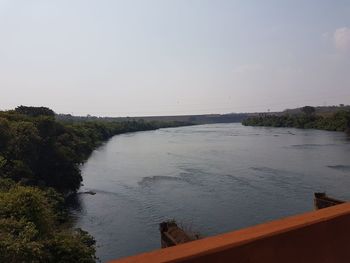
[(321, 236)]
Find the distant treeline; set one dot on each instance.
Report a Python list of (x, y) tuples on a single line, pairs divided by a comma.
[(40, 159), (195, 119), (308, 119)]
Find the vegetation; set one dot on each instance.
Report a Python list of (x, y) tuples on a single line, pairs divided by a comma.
[(308, 119), (39, 165), (35, 149), (32, 229)]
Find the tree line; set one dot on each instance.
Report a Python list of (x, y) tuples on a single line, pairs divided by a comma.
[(308, 119), (39, 166)]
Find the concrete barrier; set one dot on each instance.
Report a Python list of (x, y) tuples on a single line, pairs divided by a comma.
[(321, 236)]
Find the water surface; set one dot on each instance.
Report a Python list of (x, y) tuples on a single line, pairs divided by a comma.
[(211, 178)]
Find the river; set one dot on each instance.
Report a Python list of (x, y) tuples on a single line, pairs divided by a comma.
[(211, 178)]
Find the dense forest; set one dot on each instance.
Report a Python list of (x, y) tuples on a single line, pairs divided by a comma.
[(307, 119), (40, 158)]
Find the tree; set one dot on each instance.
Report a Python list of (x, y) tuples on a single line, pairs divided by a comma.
[(339, 121), (76, 246), (38, 150), (4, 133), (32, 230), (34, 111), (308, 110)]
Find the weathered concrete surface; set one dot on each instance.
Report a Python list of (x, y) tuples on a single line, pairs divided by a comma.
[(321, 236)]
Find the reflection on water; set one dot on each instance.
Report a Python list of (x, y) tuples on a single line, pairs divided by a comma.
[(214, 178)]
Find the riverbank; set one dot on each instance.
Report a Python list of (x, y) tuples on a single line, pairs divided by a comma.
[(40, 160), (339, 121)]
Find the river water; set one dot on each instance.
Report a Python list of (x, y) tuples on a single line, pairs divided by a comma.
[(211, 178)]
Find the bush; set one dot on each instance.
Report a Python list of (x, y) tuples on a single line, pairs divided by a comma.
[(32, 229)]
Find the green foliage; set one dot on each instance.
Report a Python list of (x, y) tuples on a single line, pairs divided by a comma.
[(38, 150), (4, 133), (19, 242), (29, 204), (31, 228), (34, 111), (340, 121), (6, 185), (308, 110), (39, 161), (76, 246)]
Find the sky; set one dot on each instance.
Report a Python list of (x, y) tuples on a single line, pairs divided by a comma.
[(162, 57)]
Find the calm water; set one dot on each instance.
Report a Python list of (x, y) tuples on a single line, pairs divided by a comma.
[(211, 178)]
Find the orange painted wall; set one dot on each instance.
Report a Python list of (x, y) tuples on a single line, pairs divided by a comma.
[(321, 236)]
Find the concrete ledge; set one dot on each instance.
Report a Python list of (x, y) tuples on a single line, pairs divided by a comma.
[(319, 236)]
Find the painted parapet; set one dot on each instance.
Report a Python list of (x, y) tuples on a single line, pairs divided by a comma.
[(320, 236)]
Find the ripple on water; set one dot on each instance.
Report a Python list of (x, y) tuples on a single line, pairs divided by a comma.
[(310, 146), (220, 177), (340, 167), (150, 180)]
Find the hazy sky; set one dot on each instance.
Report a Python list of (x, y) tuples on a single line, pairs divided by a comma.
[(127, 58)]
